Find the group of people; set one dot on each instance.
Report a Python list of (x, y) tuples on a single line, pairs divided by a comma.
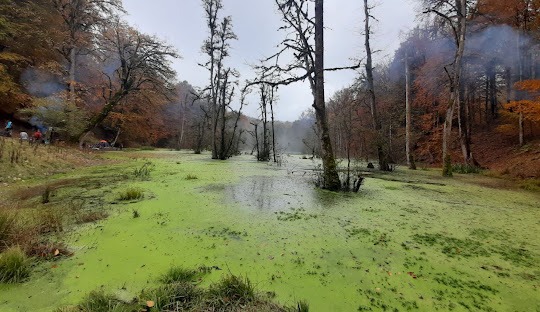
[(37, 137)]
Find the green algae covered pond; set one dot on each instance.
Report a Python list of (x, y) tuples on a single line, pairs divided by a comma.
[(406, 241)]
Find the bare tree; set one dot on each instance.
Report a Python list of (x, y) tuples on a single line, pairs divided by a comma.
[(136, 62), (382, 154), (221, 89)]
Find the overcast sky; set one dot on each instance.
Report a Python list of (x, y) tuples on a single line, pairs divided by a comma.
[(182, 24)]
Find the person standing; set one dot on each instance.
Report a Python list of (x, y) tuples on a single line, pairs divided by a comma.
[(9, 128), (38, 136)]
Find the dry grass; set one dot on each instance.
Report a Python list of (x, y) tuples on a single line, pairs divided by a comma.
[(21, 161)]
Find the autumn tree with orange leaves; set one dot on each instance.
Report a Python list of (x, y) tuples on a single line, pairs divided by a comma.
[(528, 108)]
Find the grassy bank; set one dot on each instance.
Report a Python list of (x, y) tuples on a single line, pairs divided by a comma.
[(407, 241)]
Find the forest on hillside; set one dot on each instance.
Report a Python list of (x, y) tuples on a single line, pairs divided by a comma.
[(463, 84)]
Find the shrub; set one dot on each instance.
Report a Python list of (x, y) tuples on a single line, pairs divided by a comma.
[(131, 194), (14, 265), (465, 169)]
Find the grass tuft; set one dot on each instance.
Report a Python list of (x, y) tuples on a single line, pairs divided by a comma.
[(98, 301), (233, 289), (14, 265), (7, 228), (180, 275), (180, 296), (131, 194), (191, 177), (302, 306)]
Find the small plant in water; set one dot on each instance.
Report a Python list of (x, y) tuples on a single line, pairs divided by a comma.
[(136, 214), (14, 266), (131, 194), (143, 172), (191, 177)]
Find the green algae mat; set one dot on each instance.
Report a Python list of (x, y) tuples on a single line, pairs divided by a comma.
[(407, 241)]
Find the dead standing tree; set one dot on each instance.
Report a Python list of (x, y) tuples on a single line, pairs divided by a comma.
[(308, 64), (384, 163), (220, 92)]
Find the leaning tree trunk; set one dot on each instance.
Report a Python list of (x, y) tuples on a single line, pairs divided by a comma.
[(330, 174), (97, 119)]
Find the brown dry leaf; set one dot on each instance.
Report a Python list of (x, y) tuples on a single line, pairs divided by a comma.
[(56, 252), (150, 303)]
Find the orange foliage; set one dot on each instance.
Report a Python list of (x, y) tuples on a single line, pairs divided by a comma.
[(530, 108)]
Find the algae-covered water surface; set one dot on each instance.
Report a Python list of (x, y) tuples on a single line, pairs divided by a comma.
[(406, 241)]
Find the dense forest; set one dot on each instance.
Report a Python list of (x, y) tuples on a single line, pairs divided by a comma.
[(463, 82)]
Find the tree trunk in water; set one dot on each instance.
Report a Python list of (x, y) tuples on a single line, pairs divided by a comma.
[(331, 177), (273, 129)]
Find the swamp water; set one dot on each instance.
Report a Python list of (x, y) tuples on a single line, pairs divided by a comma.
[(407, 241)]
